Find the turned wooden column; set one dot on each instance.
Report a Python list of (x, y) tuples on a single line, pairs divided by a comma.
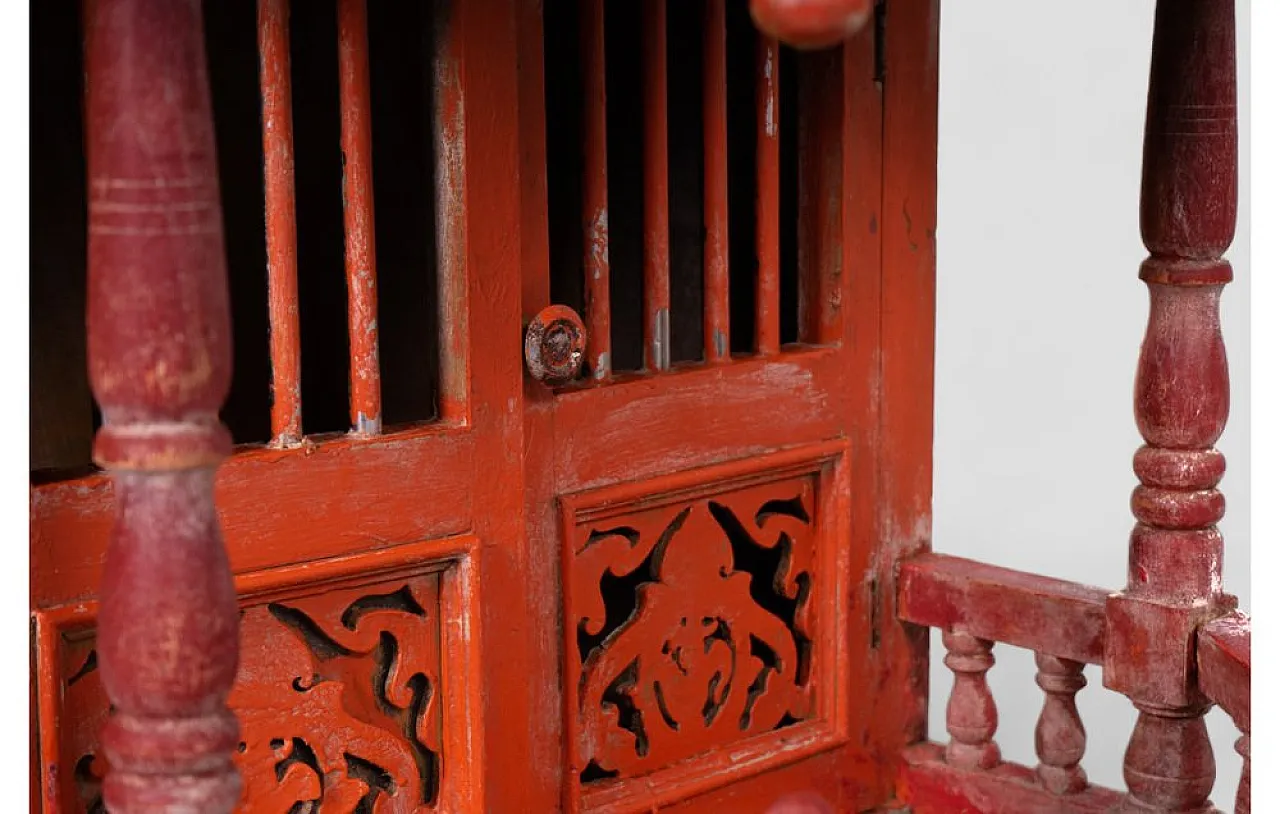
[(1188, 214), (1060, 736), (160, 365), (971, 710)]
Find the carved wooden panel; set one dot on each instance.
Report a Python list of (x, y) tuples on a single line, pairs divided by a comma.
[(699, 618), (341, 693)]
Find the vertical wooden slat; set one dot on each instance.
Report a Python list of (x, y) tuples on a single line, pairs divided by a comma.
[(715, 131), (160, 365), (821, 202), (449, 143), (767, 206), (357, 199), (595, 189), (657, 246), (282, 227)]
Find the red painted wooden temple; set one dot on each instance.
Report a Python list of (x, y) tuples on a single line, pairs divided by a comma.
[(614, 493)]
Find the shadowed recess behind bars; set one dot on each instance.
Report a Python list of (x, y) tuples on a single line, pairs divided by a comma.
[(568, 162), (63, 416)]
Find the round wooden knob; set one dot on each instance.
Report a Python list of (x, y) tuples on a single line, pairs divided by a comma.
[(811, 24), (554, 345)]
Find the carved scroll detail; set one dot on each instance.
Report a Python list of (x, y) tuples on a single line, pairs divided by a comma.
[(338, 699), (693, 626)]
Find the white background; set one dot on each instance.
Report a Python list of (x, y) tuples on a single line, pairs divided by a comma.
[(1040, 316)]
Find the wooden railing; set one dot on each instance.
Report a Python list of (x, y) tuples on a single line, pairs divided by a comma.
[(1222, 657), (1065, 625), (1171, 641), (976, 605)]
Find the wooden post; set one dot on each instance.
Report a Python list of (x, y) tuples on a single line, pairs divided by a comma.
[(160, 365), (1181, 404)]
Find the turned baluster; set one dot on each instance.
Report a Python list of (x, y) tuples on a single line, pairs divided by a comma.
[(160, 365), (1188, 215), (1060, 735), (971, 710)]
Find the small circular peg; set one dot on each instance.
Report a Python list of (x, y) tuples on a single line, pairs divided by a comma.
[(554, 345), (811, 24)]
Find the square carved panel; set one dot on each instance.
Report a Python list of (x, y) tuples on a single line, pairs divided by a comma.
[(340, 692), (698, 608)]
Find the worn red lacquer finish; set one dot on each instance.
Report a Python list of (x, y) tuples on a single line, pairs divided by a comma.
[(768, 255), (1223, 659), (159, 360), (282, 221), (1148, 636), (971, 710), (595, 191), (1060, 737), (715, 185), (657, 202), (722, 573), (1026, 610), (357, 207), (1181, 404)]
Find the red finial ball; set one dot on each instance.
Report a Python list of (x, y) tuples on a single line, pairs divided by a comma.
[(811, 24)]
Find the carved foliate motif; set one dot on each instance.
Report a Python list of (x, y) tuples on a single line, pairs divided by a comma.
[(692, 624), (338, 698)]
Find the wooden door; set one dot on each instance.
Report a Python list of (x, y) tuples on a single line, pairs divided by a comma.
[(664, 583), (376, 535), (707, 522)]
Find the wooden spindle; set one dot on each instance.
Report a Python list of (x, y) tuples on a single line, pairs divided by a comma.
[(971, 709), (822, 138), (1181, 402), (282, 227), (160, 365), (595, 190), (768, 307), (657, 233), (1060, 737), (357, 199), (715, 134)]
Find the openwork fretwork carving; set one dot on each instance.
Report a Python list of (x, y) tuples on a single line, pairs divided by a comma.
[(693, 621), (358, 669), (338, 697)]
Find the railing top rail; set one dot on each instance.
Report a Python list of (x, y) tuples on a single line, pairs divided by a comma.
[(1050, 616)]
